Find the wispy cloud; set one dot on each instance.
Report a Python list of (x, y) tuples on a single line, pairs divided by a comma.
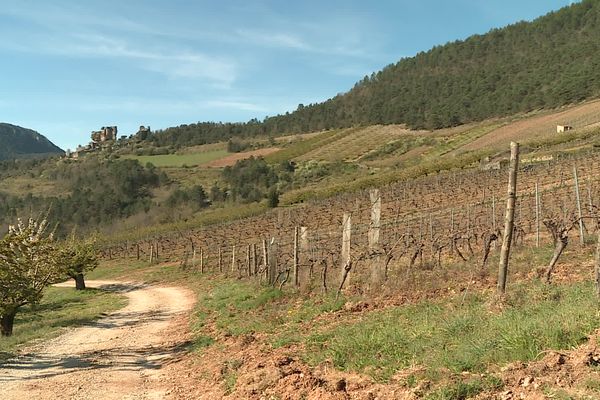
[(74, 36), (272, 39), (236, 105), (163, 106), (299, 41)]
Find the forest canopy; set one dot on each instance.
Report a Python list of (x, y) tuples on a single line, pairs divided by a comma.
[(546, 63)]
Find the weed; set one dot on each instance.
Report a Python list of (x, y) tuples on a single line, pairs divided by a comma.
[(467, 389), (59, 308), (460, 336)]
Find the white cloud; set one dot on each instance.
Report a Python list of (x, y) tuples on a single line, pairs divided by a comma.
[(236, 105), (273, 39), (73, 34), (158, 106)]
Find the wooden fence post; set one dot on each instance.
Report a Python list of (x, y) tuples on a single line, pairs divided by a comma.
[(201, 259), (220, 260), (265, 260), (296, 257), (273, 258), (597, 265), (537, 216), (248, 265), (305, 276), (509, 218), (377, 273), (254, 259), (233, 260), (579, 215), (346, 237)]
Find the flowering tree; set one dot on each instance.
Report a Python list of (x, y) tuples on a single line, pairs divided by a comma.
[(29, 262)]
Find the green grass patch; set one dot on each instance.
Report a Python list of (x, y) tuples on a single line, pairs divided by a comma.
[(59, 308), (230, 303), (241, 308), (461, 334), (180, 160), (467, 389), (118, 269)]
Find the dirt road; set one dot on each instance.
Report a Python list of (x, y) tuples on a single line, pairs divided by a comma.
[(117, 357)]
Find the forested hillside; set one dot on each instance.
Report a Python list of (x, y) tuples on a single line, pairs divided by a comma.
[(546, 63), (17, 142)]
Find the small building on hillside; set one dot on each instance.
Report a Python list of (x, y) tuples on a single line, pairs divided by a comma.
[(563, 128)]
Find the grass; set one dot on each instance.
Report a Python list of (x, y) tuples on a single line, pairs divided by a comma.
[(228, 213), (461, 336), (458, 140), (181, 160), (362, 181), (229, 303), (36, 186), (241, 308), (304, 146), (59, 308), (465, 390), (353, 144)]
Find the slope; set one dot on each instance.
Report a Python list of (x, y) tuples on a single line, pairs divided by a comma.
[(18, 142), (544, 64)]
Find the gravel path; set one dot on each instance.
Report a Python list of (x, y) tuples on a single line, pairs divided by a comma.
[(117, 357)]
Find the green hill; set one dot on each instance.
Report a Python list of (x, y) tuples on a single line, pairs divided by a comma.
[(542, 64), (18, 142)]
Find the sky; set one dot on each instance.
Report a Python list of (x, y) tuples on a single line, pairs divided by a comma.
[(70, 67)]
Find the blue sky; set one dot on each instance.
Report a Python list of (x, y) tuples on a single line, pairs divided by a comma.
[(70, 67)]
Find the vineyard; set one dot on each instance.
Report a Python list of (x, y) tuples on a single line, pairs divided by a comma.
[(396, 234)]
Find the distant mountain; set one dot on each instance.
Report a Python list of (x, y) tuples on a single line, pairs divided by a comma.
[(18, 142), (543, 64)]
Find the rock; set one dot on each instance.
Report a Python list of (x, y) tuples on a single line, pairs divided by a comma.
[(527, 381), (340, 385), (283, 361), (506, 395)]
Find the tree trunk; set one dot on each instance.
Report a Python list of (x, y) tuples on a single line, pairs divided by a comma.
[(6, 323), (79, 282), (559, 246)]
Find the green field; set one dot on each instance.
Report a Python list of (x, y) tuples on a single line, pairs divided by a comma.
[(60, 308), (180, 160)]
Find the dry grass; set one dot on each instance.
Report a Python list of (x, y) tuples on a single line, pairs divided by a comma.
[(235, 157), (22, 186), (539, 126), (356, 143)]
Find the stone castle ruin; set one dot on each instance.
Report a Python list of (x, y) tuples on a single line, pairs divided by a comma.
[(107, 137), (105, 134)]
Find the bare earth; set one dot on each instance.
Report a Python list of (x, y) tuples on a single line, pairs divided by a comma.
[(117, 357)]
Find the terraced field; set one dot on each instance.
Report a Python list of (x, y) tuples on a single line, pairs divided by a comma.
[(539, 126), (357, 142)]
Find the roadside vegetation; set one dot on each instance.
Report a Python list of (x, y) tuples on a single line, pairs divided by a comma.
[(30, 261), (59, 308)]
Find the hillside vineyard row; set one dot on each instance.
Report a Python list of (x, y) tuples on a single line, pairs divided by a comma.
[(445, 218)]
